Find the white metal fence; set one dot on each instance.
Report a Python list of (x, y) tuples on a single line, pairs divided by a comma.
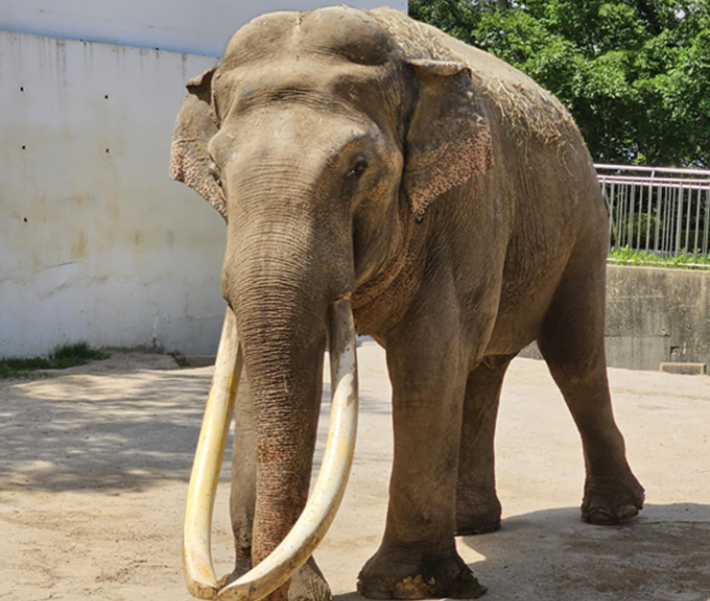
[(660, 210)]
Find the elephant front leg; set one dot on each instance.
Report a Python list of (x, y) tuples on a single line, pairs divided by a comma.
[(243, 493), (417, 558)]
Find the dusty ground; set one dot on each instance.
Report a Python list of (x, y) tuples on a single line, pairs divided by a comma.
[(94, 462)]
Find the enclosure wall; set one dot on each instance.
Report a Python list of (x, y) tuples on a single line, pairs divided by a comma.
[(654, 316), (657, 315), (96, 242)]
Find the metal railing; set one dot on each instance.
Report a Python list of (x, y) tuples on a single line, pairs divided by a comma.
[(660, 210)]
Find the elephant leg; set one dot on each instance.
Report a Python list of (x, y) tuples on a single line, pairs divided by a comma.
[(243, 494), (417, 558), (572, 343), (308, 584), (477, 505)]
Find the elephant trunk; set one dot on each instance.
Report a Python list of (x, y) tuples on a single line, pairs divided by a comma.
[(283, 322), (283, 333)]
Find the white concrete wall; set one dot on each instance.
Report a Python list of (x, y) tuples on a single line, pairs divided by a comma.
[(96, 242), (197, 27)]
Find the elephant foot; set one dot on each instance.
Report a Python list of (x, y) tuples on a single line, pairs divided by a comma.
[(404, 573), (479, 513), (241, 567), (308, 584), (610, 501)]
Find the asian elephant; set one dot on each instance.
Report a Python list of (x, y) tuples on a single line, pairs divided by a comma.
[(372, 168)]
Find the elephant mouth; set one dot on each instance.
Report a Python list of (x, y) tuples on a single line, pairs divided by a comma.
[(312, 525)]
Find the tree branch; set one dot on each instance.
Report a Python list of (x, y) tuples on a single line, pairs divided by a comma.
[(650, 15)]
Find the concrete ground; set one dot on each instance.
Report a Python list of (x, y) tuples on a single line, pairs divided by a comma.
[(94, 464)]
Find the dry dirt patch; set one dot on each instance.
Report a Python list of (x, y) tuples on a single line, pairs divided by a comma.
[(94, 463)]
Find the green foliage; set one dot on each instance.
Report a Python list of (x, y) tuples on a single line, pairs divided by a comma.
[(636, 257), (635, 74), (61, 357)]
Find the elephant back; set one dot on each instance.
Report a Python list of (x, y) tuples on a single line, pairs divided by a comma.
[(520, 103)]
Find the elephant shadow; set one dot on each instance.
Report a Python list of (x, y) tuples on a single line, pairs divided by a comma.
[(550, 554)]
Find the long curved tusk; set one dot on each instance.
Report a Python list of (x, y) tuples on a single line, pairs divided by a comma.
[(196, 555), (311, 526)]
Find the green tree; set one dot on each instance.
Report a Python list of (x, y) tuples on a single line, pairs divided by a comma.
[(634, 73)]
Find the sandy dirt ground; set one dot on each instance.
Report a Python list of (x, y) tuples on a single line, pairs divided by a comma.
[(94, 464)]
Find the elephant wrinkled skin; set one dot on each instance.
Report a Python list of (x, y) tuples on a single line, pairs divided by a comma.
[(365, 156)]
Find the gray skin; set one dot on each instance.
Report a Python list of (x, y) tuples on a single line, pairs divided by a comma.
[(361, 154)]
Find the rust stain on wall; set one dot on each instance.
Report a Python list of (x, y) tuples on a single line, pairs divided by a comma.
[(78, 248)]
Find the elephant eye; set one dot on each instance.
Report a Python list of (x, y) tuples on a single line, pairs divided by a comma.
[(358, 168), (214, 171)]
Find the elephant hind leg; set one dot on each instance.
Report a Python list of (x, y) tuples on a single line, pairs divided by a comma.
[(572, 343), (477, 506)]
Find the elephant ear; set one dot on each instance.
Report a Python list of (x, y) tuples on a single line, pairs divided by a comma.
[(194, 127), (448, 140)]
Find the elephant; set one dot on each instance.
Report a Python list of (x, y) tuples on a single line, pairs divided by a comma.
[(378, 176)]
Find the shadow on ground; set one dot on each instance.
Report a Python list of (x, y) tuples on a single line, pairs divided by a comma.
[(104, 431), (551, 555), (100, 431)]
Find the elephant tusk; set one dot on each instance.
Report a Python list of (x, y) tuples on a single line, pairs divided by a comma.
[(313, 523), (197, 557)]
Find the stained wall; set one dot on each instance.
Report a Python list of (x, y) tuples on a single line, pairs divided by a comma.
[(96, 242)]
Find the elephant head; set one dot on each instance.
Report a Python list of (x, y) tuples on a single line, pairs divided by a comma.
[(317, 139)]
